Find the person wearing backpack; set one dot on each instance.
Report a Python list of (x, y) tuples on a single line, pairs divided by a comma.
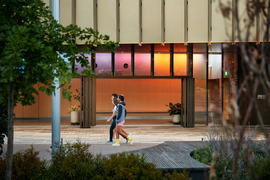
[(120, 120)]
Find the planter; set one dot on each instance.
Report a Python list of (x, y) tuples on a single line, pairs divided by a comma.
[(176, 118), (74, 117)]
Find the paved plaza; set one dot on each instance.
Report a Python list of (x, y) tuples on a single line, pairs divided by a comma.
[(144, 136)]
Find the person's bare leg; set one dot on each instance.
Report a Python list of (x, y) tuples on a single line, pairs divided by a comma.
[(117, 136), (114, 133), (124, 133), (119, 131)]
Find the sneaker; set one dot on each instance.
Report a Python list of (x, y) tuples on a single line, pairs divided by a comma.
[(131, 141), (127, 141), (109, 142), (129, 135), (116, 144), (114, 140)]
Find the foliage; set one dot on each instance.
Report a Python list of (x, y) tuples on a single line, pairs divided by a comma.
[(203, 155), (36, 49), (75, 162), (77, 96), (177, 176), (129, 166), (3, 124), (174, 108), (74, 108), (26, 165), (262, 168), (220, 150)]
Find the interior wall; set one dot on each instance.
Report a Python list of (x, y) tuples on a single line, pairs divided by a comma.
[(140, 94), (43, 106)]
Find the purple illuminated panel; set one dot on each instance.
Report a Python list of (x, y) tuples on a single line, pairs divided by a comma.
[(103, 61), (142, 64), (78, 65), (123, 64)]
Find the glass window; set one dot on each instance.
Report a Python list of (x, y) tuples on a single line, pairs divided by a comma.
[(199, 47), (199, 66), (162, 64), (78, 65), (199, 73), (103, 63), (214, 86), (142, 64), (179, 47), (214, 66), (180, 64), (214, 48), (142, 60), (123, 64)]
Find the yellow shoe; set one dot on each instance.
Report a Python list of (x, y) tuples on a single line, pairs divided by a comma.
[(116, 144), (130, 141)]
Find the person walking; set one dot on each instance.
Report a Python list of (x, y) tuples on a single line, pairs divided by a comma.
[(120, 120), (114, 99)]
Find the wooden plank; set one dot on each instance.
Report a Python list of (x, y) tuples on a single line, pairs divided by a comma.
[(81, 103), (93, 101), (86, 102), (173, 155)]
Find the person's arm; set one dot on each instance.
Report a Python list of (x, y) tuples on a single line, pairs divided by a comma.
[(119, 112), (114, 113), (125, 112)]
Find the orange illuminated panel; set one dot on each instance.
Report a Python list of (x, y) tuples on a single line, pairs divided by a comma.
[(141, 95), (180, 64), (162, 64)]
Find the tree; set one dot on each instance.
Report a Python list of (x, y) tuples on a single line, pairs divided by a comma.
[(32, 51), (255, 65)]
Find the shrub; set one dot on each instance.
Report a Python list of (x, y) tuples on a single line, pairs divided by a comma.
[(177, 176), (73, 162), (223, 147), (262, 168), (129, 166), (26, 165)]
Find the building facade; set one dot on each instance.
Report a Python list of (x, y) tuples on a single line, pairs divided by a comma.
[(161, 42)]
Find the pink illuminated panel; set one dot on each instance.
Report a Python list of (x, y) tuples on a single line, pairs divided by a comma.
[(162, 64), (103, 61), (180, 64), (123, 64), (142, 64)]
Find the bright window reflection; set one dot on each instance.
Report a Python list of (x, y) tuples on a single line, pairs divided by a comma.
[(199, 73), (162, 64), (214, 66), (180, 64), (142, 64), (103, 61), (199, 66)]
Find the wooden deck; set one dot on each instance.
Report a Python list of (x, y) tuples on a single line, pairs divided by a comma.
[(175, 155)]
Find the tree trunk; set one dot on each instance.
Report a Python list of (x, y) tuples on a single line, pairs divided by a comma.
[(10, 132)]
